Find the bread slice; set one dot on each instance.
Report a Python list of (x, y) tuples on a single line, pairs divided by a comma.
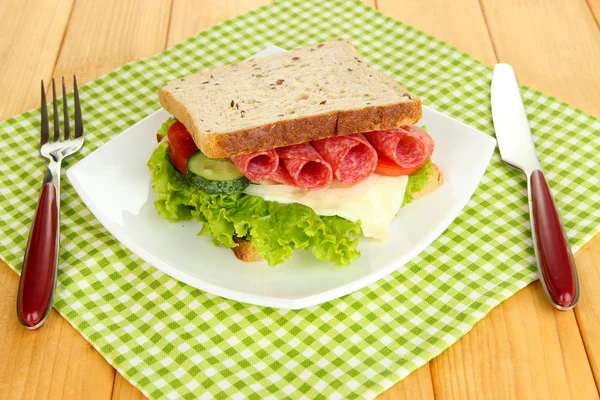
[(246, 252), (435, 179), (288, 98)]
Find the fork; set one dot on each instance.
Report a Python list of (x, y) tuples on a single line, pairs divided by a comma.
[(38, 276)]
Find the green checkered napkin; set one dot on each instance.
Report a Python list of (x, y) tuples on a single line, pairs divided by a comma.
[(174, 341)]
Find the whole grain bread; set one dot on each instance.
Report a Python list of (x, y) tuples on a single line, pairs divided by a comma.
[(246, 251), (288, 98), (435, 179)]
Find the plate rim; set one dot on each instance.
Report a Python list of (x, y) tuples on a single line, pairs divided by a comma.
[(266, 301)]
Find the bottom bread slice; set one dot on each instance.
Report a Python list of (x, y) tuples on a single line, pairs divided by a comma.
[(246, 251)]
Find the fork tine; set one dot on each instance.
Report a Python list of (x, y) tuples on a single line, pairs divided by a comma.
[(55, 107), (78, 119), (67, 130), (44, 121)]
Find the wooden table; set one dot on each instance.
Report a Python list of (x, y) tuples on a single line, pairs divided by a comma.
[(523, 349)]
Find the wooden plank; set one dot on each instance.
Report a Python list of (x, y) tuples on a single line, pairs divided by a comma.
[(123, 390), (54, 362), (503, 357), (188, 18), (595, 8), (588, 309), (432, 17), (459, 23), (51, 362), (563, 63), (548, 53), (563, 329), (31, 33), (416, 386), (523, 349), (105, 35)]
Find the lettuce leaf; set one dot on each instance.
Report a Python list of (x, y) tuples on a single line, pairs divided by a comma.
[(417, 182), (164, 128), (275, 229)]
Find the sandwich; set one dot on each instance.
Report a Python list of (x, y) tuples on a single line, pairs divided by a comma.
[(310, 149)]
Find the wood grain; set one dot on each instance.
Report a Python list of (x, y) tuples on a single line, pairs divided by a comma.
[(588, 309), (101, 36), (416, 386), (31, 34), (594, 6), (188, 17), (104, 35), (523, 349), (432, 18), (548, 52), (466, 29), (54, 362), (489, 366), (563, 62), (123, 390)]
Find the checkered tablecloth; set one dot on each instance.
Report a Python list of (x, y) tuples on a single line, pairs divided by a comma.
[(174, 341)]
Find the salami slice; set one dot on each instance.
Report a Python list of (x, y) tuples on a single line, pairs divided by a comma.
[(302, 166), (408, 146), (351, 157), (281, 175), (257, 166)]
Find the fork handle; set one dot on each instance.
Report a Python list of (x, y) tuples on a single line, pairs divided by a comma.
[(38, 276), (558, 273)]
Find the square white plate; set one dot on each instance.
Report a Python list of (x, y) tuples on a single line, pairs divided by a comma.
[(114, 183)]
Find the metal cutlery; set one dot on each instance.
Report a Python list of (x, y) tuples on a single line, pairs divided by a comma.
[(555, 262), (38, 276)]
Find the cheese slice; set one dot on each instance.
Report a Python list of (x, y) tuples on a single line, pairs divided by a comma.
[(374, 201)]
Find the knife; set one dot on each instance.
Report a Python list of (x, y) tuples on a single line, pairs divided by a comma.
[(552, 250)]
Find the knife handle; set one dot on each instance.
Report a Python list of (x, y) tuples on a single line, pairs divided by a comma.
[(38, 277), (553, 252)]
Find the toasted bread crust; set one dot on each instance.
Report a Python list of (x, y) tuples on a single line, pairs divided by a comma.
[(302, 130), (435, 179), (350, 97), (296, 131), (246, 251)]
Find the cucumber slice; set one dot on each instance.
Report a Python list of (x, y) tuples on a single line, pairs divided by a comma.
[(215, 175)]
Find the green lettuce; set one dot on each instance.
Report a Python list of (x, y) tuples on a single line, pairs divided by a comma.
[(417, 182), (275, 229), (164, 128)]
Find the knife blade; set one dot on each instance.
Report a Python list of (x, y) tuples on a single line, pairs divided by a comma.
[(558, 273)]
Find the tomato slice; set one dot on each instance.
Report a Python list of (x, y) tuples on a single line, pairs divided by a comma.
[(181, 145), (387, 167)]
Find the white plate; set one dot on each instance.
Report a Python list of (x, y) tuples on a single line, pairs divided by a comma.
[(114, 183)]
